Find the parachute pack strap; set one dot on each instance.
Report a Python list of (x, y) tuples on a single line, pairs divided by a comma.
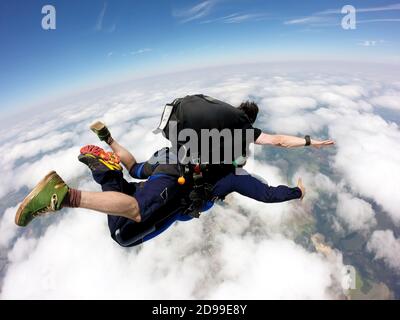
[(168, 109), (200, 195)]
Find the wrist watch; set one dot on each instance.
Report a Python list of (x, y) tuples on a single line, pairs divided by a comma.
[(308, 140)]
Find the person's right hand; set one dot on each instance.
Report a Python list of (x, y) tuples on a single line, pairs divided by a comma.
[(321, 144)]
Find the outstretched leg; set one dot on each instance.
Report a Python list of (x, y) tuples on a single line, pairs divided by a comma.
[(52, 194)]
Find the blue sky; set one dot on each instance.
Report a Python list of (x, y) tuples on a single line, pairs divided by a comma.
[(98, 42)]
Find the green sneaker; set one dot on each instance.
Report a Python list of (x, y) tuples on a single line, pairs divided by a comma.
[(46, 197), (100, 129)]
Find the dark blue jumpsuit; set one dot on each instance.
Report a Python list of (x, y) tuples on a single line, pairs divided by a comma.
[(159, 195)]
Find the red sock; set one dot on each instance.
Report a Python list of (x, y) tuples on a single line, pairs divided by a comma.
[(73, 199)]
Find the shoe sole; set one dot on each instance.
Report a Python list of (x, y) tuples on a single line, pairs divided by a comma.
[(95, 151), (101, 154), (112, 166), (38, 188)]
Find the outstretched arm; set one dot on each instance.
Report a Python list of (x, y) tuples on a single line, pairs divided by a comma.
[(285, 141)]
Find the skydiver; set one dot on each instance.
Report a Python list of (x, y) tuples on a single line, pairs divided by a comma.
[(129, 203)]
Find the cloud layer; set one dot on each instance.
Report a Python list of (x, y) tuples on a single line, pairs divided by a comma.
[(385, 246), (241, 249)]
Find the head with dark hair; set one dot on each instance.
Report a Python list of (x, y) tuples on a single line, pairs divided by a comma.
[(250, 108)]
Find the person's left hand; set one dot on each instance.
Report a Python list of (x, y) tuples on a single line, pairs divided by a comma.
[(321, 144)]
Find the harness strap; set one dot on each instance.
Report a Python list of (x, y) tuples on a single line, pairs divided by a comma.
[(166, 115)]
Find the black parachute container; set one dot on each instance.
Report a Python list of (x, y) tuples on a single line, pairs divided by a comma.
[(202, 114)]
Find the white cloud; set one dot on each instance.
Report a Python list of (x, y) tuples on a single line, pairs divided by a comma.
[(327, 17), (386, 247), (390, 7), (100, 18), (368, 43), (289, 105), (196, 12), (100, 27), (269, 264), (296, 124), (238, 18), (12, 152), (307, 20), (356, 213), (8, 228), (316, 184), (371, 43), (389, 102), (205, 8), (211, 264), (368, 155), (64, 162), (351, 91), (220, 19), (140, 51)]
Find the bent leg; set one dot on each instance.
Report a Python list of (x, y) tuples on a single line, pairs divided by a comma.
[(127, 159), (251, 187)]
